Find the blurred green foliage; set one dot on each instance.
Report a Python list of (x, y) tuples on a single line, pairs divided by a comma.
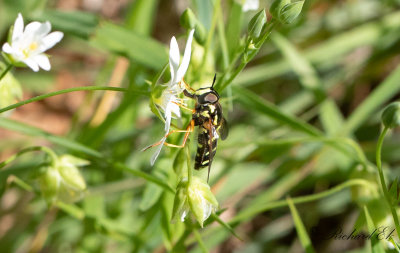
[(304, 118)]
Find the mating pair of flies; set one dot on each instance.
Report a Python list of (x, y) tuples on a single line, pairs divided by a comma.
[(207, 114)]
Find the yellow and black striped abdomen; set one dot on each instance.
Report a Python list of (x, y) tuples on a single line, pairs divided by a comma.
[(203, 149)]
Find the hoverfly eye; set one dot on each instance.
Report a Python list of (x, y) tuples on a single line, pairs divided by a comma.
[(211, 98)]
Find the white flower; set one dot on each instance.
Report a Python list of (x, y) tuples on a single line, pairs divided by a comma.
[(28, 45), (195, 197), (250, 5), (169, 99)]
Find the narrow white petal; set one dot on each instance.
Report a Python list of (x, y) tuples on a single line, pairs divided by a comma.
[(43, 61), (167, 115), (18, 27), (174, 58), (175, 109), (183, 215), (186, 57), (7, 48), (50, 40), (157, 152), (32, 64)]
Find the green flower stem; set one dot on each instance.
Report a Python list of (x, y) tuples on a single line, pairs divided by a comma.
[(382, 180), (189, 169), (55, 93), (253, 210), (200, 241), (5, 71), (210, 35), (26, 150), (18, 181), (246, 60)]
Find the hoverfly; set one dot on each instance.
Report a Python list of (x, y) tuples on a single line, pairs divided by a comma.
[(212, 124), (207, 114)]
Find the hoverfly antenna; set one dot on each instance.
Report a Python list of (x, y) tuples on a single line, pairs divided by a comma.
[(215, 77)]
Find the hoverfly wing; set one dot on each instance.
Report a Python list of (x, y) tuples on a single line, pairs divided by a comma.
[(223, 129)]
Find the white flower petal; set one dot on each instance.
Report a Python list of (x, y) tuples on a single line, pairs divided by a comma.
[(183, 215), (174, 58), (32, 64), (50, 40), (7, 48), (157, 152), (175, 109), (186, 57), (32, 27), (250, 5), (18, 27), (38, 29), (43, 61), (167, 115)]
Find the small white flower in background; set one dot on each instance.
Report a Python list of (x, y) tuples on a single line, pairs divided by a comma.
[(170, 96), (249, 5), (28, 44), (195, 197)]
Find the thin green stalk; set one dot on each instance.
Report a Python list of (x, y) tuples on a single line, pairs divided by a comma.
[(210, 35), (55, 93), (5, 71), (200, 241), (253, 210), (382, 180), (244, 61), (26, 150), (18, 181)]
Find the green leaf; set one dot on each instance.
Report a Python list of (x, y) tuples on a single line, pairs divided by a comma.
[(393, 192), (301, 231), (122, 41), (330, 117), (376, 246), (254, 102), (80, 24), (384, 92), (290, 12), (300, 65)]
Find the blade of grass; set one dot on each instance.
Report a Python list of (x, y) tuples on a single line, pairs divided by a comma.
[(300, 65), (251, 100), (376, 246), (384, 92), (301, 230)]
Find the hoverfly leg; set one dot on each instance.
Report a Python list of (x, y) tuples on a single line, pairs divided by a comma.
[(188, 130)]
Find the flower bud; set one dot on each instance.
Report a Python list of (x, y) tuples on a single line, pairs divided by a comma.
[(256, 25), (391, 115), (62, 180), (188, 19), (277, 6), (49, 184), (285, 11), (10, 89), (195, 197)]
